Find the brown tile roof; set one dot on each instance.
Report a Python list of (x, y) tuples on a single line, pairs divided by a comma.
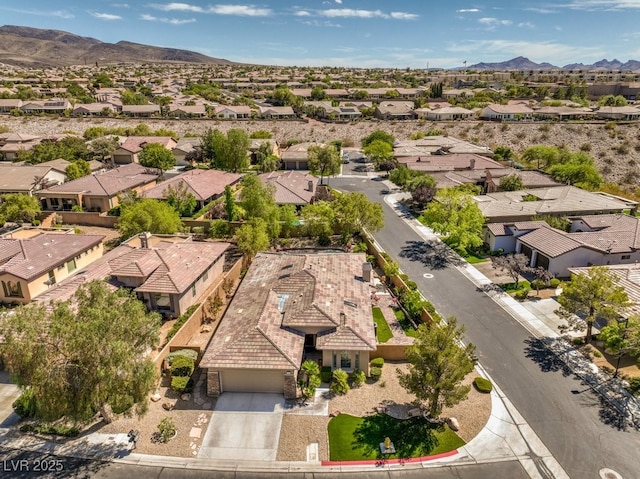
[(41, 253), (135, 144), (281, 293), (292, 187), (108, 183), (22, 178), (498, 229), (203, 184), (550, 242)]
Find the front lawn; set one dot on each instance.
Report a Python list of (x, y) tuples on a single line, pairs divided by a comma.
[(354, 438), (384, 333)]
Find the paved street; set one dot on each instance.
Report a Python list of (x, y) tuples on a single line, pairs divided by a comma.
[(582, 434)]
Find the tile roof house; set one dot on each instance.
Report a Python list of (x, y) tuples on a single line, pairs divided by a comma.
[(204, 185), (521, 205), (235, 112), (128, 151), (94, 109), (12, 143), (626, 113), (431, 145), (292, 187), (388, 110), (592, 240), (287, 306), (168, 273), (30, 266), (446, 113), (296, 157), (98, 192), (141, 111), (25, 179), (506, 112)]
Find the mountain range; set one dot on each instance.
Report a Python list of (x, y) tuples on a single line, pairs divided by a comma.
[(35, 47), (522, 63)]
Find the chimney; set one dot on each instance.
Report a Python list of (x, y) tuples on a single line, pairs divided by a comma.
[(343, 319), (472, 163), (367, 268), (310, 186), (144, 239)]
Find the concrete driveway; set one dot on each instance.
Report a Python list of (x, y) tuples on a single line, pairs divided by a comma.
[(244, 426)]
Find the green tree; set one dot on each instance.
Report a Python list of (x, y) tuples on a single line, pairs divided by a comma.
[(318, 220), (70, 148), (261, 135), (611, 100), (513, 264), (592, 295), (324, 160), (226, 152), (454, 214), (438, 364), (18, 208), (85, 355), (103, 147), (77, 169), (230, 203), (148, 215), (288, 218), (541, 156), (378, 151), (253, 237), (380, 135), (258, 201), (622, 337), (355, 213), (511, 182), (317, 93), (181, 199), (155, 155), (129, 97), (579, 170)]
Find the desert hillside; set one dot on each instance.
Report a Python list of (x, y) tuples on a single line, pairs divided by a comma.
[(616, 150)]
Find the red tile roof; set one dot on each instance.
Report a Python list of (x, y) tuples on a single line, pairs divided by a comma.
[(203, 184)]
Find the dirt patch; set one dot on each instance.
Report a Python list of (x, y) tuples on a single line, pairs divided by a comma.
[(596, 353)]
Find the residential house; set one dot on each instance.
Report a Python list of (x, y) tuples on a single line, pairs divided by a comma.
[(255, 145), (626, 113), (184, 147), (12, 143), (288, 308), (506, 112), (296, 157), (395, 110), (522, 205), (128, 151), (26, 179), (94, 109), (168, 273), (561, 113), (98, 192), (7, 105), (54, 105), (530, 178), (30, 266), (277, 113), (447, 113), (141, 111), (204, 185), (236, 112), (187, 111), (437, 145), (291, 187)]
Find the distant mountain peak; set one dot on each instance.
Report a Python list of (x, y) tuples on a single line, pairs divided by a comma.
[(523, 63)]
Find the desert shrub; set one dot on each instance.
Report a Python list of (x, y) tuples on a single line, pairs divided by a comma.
[(483, 385), (325, 374), (522, 294), (554, 282), (538, 284), (166, 429), (634, 386), (375, 373), (219, 229), (340, 382), (25, 405), (51, 429), (189, 353), (181, 384), (358, 378), (377, 362), (182, 366)]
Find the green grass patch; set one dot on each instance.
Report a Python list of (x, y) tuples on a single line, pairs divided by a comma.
[(407, 327), (354, 438), (512, 288), (384, 332), (475, 259)]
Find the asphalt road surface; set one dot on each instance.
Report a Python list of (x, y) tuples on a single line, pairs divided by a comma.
[(582, 433)]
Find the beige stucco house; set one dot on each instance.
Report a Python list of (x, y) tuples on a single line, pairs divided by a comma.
[(129, 150), (290, 307), (30, 266)]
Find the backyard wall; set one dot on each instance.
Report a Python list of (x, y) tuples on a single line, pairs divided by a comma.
[(390, 352)]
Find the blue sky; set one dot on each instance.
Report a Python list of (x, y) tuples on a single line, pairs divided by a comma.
[(359, 33)]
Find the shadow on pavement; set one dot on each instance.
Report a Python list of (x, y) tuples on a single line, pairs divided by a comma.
[(433, 254), (538, 350)]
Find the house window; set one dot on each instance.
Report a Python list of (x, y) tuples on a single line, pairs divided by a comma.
[(12, 289), (626, 256), (193, 289), (163, 301), (71, 266), (52, 278), (357, 360), (345, 360), (334, 361), (205, 275)]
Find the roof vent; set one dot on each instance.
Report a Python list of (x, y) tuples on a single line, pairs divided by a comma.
[(353, 304)]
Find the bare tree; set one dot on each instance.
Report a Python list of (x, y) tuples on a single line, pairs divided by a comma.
[(542, 275), (513, 264)]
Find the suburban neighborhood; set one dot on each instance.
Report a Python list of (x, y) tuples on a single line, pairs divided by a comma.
[(319, 270)]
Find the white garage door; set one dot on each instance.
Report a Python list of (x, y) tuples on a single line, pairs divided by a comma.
[(252, 381)]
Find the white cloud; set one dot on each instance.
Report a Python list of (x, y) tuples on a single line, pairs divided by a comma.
[(404, 16), (544, 11), (105, 16), (318, 23), (526, 25), (171, 21), (302, 13), (42, 13), (222, 9), (492, 22), (339, 2), (603, 4), (120, 5), (468, 10)]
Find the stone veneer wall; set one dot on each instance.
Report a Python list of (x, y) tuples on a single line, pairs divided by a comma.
[(213, 383), (290, 385)]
